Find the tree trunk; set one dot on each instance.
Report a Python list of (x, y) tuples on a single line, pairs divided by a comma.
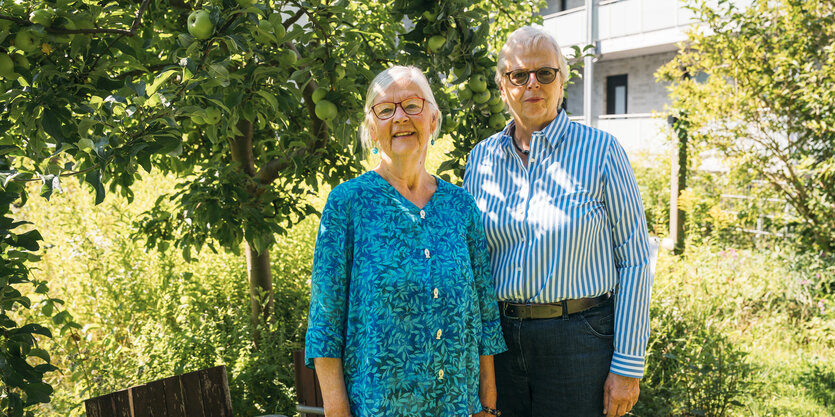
[(257, 264), (260, 290), (678, 182)]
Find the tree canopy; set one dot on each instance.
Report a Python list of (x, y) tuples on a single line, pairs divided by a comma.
[(252, 103), (758, 84)]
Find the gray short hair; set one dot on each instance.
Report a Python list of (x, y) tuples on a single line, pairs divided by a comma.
[(526, 38), (381, 82)]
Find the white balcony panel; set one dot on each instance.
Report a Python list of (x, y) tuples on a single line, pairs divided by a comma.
[(644, 43), (659, 14), (569, 27), (637, 133), (619, 19)]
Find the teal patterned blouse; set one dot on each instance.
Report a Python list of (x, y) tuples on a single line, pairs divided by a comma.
[(404, 296)]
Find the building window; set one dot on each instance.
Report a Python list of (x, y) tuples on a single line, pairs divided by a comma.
[(553, 6), (616, 94)]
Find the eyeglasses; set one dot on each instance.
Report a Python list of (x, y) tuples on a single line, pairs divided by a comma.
[(520, 77), (386, 110)]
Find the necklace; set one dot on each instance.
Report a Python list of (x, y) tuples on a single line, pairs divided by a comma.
[(512, 139)]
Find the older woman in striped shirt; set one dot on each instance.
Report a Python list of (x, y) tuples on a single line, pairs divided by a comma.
[(568, 245)]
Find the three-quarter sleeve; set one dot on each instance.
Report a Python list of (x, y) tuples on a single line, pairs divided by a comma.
[(332, 260), (491, 340), (630, 244)]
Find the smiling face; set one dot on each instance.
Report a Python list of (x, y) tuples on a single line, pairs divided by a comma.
[(533, 105), (403, 134)]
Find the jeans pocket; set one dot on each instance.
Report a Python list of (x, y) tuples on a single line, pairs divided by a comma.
[(600, 321)]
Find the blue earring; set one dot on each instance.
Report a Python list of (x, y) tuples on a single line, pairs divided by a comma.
[(432, 142), (374, 150)]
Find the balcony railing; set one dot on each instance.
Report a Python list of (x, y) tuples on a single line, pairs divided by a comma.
[(637, 132), (623, 24)]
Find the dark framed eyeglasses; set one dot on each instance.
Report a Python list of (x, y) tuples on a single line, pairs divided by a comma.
[(520, 77), (386, 110)]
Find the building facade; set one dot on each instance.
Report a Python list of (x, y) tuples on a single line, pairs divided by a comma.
[(632, 38)]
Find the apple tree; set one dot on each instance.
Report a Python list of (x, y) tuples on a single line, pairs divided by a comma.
[(252, 104)]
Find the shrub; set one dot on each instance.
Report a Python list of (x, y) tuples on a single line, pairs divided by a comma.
[(148, 314), (653, 176)]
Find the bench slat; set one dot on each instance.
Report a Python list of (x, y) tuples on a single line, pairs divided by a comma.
[(216, 397), (156, 395), (140, 398), (173, 397), (191, 394), (122, 403)]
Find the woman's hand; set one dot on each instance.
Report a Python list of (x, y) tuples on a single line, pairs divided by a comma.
[(486, 384), (332, 382)]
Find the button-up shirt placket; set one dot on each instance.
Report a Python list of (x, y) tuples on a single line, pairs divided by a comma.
[(434, 293), (523, 206)]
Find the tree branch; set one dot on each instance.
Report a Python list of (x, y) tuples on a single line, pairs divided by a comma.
[(241, 147), (17, 20), (293, 19)]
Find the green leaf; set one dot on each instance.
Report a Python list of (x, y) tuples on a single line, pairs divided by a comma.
[(50, 184), (29, 240), (39, 353), (47, 308), (270, 98), (61, 318), (35, 328), (94, 178), (51, 125), (37, 392), (161, 78)]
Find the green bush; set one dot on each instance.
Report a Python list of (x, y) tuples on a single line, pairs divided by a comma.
[(739, 333), (693, 368), (147, 314), (653, 176)]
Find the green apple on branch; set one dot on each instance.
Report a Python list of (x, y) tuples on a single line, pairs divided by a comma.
[(6, 66), (435, 43), (326, 110), (200, 24), (26, 40), (42, 17)]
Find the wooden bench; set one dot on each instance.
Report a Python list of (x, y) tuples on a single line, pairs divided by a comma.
[(203, 393), (308, 392)]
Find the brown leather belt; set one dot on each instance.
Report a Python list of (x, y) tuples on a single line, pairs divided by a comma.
[(551, 310)]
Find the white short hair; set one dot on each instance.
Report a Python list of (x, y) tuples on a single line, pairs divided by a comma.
[(528, 38), (381, 82)]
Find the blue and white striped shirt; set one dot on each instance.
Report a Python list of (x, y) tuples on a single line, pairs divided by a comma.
[(569, 225)]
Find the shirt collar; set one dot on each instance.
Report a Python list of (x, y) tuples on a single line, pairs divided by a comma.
[(552, 132)]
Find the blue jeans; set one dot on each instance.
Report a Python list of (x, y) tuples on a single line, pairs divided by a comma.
[(556, 367)]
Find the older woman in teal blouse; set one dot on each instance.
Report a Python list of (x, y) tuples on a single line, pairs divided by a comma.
[(403, 317)]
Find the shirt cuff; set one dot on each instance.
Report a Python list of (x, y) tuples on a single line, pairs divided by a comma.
[(627, 365), (492, 339), (320, 345)]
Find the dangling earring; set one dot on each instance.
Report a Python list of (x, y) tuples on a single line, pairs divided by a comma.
[(432, 142), (374, 150)]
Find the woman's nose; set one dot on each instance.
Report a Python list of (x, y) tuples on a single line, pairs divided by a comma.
[(400, 114)]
